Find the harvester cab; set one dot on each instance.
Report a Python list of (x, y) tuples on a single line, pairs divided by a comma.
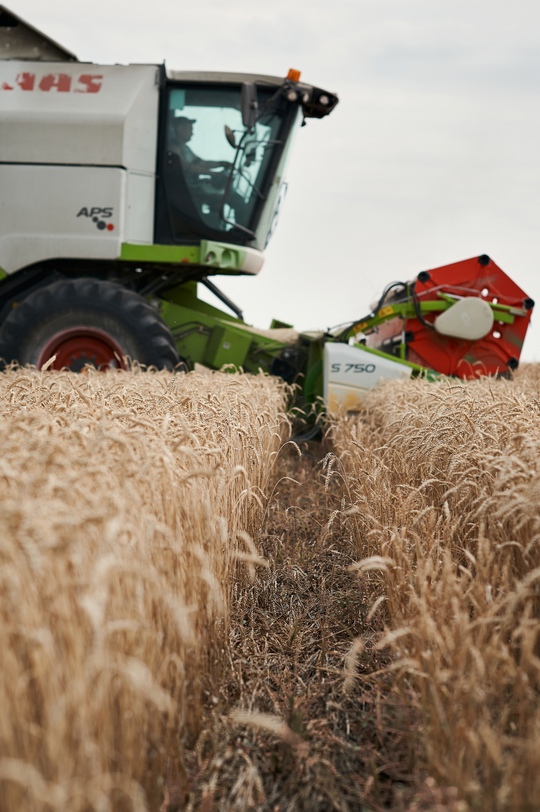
[(243, 125)]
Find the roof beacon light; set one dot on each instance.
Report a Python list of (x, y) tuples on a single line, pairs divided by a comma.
[(293, 75)]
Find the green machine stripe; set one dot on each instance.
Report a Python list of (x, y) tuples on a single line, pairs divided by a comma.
[(3, 274), (188, 254)]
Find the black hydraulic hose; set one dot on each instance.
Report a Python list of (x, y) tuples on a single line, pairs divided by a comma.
[(417, 309), (223, 297), (385, 293), (343, 335)]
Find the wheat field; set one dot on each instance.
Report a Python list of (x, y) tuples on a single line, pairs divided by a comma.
[(443, 490), (196, 613), (126, 504)]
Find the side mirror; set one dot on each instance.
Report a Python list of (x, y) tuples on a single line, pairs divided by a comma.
[(229, 135), (249, 105)]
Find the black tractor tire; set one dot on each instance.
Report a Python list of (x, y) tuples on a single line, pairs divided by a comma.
[(86, 322)]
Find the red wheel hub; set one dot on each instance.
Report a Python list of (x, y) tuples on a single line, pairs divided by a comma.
[(78, 347)]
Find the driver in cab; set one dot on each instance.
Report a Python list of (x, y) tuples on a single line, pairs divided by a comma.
[(182, 132)]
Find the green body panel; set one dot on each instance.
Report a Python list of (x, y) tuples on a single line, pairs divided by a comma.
[(312, 390), (159, 254), (226, 346), (3, 274), (216, 255), (206, 335)]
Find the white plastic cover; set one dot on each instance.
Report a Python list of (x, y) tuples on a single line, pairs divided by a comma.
[(470, 318)]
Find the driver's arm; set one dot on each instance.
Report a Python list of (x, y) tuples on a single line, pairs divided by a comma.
[(200, 165)]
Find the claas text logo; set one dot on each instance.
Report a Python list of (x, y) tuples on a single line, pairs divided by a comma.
[(55, 82)]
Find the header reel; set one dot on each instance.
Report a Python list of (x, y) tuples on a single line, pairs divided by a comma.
[(467, 319)]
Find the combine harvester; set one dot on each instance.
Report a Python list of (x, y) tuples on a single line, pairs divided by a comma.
[(123, 188)]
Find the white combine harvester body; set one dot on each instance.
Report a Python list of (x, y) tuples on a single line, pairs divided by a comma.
[(78, 158)]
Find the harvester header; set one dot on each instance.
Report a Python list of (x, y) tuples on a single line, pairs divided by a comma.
[(466, 319)]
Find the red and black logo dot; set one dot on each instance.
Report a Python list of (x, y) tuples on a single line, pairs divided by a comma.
[(101, 224)]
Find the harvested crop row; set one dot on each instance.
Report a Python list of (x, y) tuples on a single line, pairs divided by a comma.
[(443, 482), (125, 504)]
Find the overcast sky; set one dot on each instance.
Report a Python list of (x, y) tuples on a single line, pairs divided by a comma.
[(430, 157)]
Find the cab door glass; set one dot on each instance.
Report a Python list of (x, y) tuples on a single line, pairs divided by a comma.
[(218, 173)]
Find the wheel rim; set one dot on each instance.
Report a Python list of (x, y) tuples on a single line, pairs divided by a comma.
[(78, 347)]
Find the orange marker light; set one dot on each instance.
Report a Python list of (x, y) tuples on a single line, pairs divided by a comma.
[(293, 75)]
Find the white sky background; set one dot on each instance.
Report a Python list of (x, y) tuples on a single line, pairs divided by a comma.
[(432, 155)]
